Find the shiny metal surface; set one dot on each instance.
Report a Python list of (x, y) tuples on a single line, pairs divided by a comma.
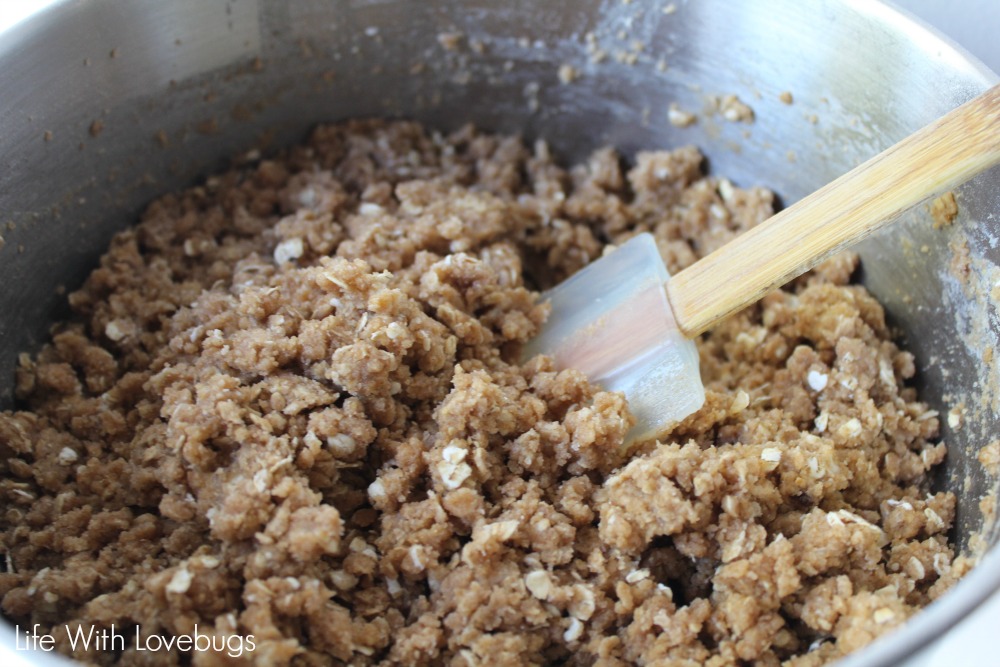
[(177, 88)]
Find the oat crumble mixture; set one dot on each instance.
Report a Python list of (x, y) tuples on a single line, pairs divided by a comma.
[(290, 405)]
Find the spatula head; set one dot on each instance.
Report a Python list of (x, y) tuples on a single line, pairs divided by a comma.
[(612, 321)]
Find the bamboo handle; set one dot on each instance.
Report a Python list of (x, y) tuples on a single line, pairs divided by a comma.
[(936, 158)]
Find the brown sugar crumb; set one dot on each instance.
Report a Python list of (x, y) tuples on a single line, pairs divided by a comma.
[(989, 457), (680, 118), (289, 405), (568, 74), (96, 128), (988, 508), (450, 41), (113, 53), (956, 417), (733, 110), (944, 210), (785, 97), (960, 264), (47, 135)]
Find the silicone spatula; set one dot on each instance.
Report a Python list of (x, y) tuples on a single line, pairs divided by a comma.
[(628, 325)]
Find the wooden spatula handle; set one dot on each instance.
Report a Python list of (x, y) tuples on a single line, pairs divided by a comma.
[(936, 158)]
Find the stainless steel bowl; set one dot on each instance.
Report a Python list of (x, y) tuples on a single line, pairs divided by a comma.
[(142, 97)]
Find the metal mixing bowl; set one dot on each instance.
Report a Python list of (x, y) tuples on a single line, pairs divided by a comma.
[(142, 97)]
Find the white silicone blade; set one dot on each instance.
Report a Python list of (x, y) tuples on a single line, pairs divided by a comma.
[(612, 321)]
